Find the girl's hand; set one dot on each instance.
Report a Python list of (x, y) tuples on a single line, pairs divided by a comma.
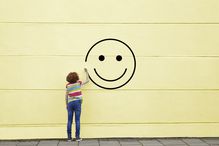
[(87, 77)]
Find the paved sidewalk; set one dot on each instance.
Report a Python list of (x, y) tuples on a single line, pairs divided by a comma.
[(119, 142)]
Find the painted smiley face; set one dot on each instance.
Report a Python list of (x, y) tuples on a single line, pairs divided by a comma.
[(111, 62)]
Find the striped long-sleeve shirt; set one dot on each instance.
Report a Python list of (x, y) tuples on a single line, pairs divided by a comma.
[(74, 91)]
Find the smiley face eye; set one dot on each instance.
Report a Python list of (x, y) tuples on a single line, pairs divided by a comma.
[(118, 57), (101, 58)]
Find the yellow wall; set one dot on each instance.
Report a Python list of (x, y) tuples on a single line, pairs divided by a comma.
[(175, 89)]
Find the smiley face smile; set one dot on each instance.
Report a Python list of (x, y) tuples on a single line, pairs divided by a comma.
[(109, 79)]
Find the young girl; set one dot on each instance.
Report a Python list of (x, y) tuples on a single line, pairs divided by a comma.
[(73, 102)]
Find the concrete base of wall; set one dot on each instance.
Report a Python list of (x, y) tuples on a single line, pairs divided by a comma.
[(111, 130)]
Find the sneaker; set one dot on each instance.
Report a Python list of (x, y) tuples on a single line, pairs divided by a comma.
[(69, 140), (78, 139)]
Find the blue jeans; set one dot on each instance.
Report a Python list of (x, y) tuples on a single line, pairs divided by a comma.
[(74, 107)]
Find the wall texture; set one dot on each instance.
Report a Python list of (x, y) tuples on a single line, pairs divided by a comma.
[(175, 89)]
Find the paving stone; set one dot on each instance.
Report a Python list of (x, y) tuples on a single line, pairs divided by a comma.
[(8, 143), (152, 145), (129, 142), (199, 144), (171, 141), (67, 143), (194, 142), (132, 145), (48, 145), (28, 143), (88, 142), (176, 145), (150, 142), (109, 143), (211, 140), (48, 142)]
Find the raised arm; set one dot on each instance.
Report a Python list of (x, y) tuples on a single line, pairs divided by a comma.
[(87, 77)]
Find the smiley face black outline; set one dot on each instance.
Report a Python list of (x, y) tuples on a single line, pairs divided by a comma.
[(112, 39)]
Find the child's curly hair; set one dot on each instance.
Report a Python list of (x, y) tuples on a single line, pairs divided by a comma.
[(72, 77)]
